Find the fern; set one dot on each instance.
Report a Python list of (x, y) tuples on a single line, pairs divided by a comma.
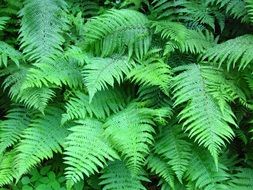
[(241, 180), (8, 53), (59, 72), (249, 6), (6, 168), (225, 53), (203, 118), (130, 131), (152, 72), (86, 149), (173, 146), (99, 73), (3, 21), (203, 172), (102, 105), (160, 167), (40, 140), (34, 97), (12, 128), (117, 176), (40, 30), (115, 29)]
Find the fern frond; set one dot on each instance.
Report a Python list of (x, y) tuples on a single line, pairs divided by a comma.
[(203, 118), (86, 149), (202, 171), (116, 176), (161, 168), (153, 74), (3, 21), (11, 129), (249, 6), (111, 32), (130, 132), (6, 168), (41, 28), (167, 9), (7, 53), (235, 53), (102, 105), (57, 72), (34, 97), (170, 30), (242, 179), (172, 145), (40, 140), (234, 8), (100, 73)]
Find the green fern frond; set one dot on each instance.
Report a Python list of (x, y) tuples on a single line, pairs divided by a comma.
[(102, 105), (58, 72), (197, 41), (153, 74), (34, 97), (100, 73), (242, 179), (234, 8), (7, 53), (172, 145), (202, 171), (116, 176), (41, 28), (202, 116), (249, 6), (7, 172), (161, 168), (11, 129), (226, 53), (130, 131), (40, 140), (86, 149), (3, 21), (167, 9), (115, 29), (170, 30)]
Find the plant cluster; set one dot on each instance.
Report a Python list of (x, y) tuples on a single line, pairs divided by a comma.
[(126, 94)]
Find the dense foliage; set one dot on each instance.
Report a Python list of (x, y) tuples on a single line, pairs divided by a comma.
[(126, 94)]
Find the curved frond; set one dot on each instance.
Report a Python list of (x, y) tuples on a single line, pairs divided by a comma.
[(202, 116), (152, 72), (7, 172), (34, 97), (234, 53), (242, 179), (130, 132), (86, 149), (173, 146), (202, 171), (8, 53), (11, 129), (249, 6), (40, 30), (58, 72), (40, 140), (3, 21), (102, 105), (161, 168), (117, 177), (100, 73), (112, 31)]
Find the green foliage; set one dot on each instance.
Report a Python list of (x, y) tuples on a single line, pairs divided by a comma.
[(203, 118), (126, 94), (117, 176), (86, 149)]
